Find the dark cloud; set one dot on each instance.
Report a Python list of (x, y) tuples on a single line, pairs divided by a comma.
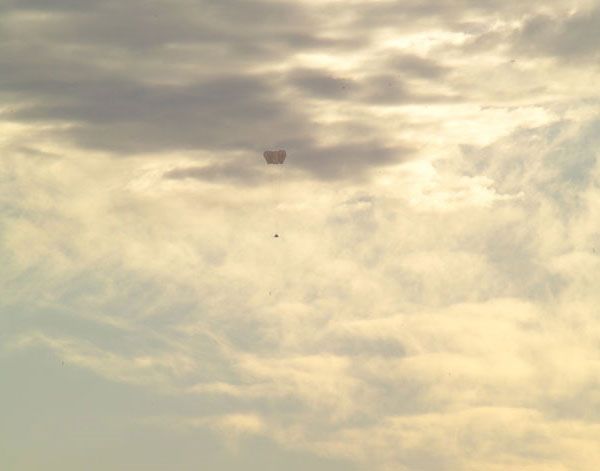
[(192, 82), (72, 67), (389, 89), (321, 84), (350, 160), (126, 116), (565, 37), (256, 28), (376, 88), (381, 89), (417, 66), (56, 6)]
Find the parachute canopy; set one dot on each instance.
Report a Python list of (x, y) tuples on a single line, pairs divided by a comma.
[(274, 156)]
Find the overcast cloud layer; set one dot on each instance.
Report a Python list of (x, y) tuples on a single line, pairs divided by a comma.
[(432, 301)]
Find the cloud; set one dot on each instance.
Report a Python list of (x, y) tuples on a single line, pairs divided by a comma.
[(321, 84), (569, 37), (348, 159), (93, 99), (121, 116), (231, 172), (431, 300), (417, 66)]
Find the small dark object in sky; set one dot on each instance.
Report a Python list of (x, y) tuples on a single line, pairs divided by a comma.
[(276, 235)]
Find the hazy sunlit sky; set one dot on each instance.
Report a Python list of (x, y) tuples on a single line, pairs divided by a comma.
[(432, 302)]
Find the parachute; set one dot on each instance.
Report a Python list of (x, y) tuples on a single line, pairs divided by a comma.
[(274, 156)]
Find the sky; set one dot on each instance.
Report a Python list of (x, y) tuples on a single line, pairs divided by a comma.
[(431, 302)]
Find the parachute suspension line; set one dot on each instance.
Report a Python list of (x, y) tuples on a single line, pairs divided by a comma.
[(278, 197), (273, 183), (274, 160)]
